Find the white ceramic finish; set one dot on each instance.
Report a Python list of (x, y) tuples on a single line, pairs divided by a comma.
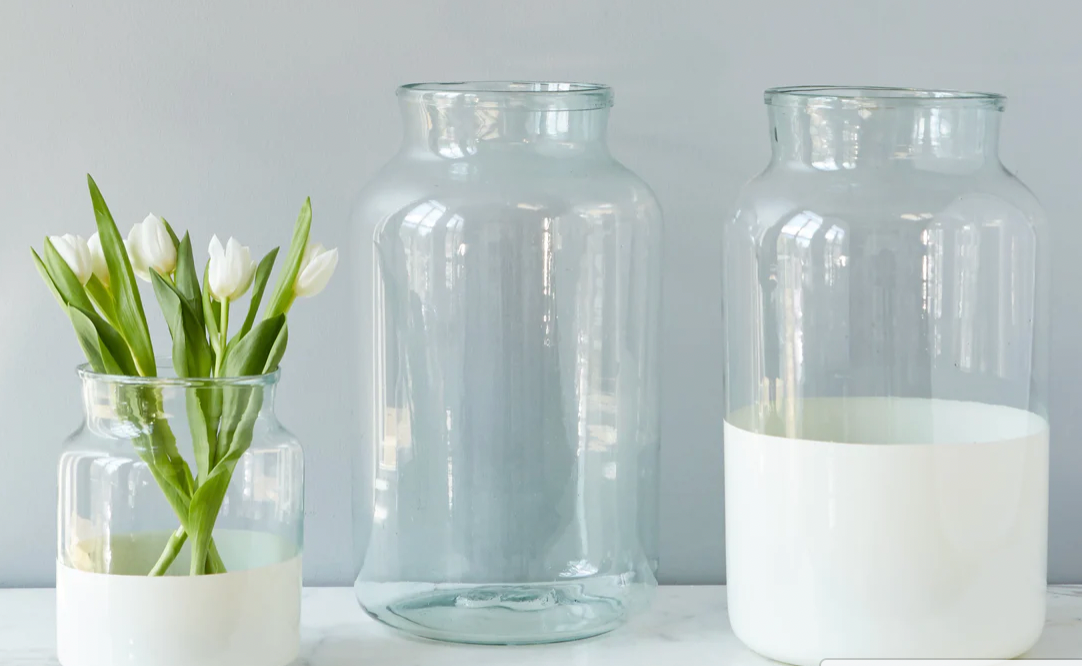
[(923, 536), (688, 626), (241, 618)]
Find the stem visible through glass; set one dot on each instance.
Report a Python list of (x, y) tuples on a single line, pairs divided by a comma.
[(157, 447)]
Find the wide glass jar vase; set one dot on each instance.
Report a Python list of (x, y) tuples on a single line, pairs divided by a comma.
[(886, 434), (130, 591), (510, 352)]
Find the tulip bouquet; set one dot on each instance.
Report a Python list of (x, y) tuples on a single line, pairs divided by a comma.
[(94, 281)]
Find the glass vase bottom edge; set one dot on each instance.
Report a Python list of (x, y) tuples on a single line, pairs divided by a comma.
[(504, 614)]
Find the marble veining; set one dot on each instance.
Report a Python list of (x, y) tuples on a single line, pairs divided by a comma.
[(686, 625)]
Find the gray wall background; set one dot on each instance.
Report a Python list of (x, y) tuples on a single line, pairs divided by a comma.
[(223, 116)]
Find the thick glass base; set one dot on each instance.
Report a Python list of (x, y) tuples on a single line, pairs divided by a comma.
[(504, 614)]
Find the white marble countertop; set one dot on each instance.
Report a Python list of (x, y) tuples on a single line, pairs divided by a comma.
[(686, 626)]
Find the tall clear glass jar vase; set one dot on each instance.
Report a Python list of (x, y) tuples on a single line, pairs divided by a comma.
[(130, 591), (510, 351), (886, 434)]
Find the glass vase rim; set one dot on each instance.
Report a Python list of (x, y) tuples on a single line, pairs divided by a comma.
[(522, 94), (836, 96), (86, 373)]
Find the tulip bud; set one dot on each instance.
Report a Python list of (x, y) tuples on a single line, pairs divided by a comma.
[(75, 253), (97, 259), (317, 266), (231, 270), (151, 247)]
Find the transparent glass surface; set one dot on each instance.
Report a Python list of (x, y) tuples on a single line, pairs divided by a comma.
[(886, 284), (113, 516), (510, 352)]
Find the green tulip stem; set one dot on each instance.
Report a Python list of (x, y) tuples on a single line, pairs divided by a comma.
[(172, 549), (223, 338)]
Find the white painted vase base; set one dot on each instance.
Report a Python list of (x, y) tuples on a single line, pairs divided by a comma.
[(921, 534), (248, 617)]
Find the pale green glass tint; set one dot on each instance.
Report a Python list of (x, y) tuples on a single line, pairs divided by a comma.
[(112, 514), (885, 251), (509, 349)]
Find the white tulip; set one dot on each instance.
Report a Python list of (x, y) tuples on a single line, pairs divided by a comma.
[(75, 253), (316, 269), (151, 247), (231, 270), (97, 259)]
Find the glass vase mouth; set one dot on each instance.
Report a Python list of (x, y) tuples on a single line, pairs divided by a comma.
[(884, 97), (521, 95), (165, 366)]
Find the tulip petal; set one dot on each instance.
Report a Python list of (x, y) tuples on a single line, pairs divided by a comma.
[(231, 269), (136, 251), (75, 253), (311, 252), (159, 251), (249, 275), (214, 268), (315, 276), (215, 249), (98, 265)]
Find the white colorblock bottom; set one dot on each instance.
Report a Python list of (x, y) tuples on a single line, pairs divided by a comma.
[(923, 535), (241, 618)]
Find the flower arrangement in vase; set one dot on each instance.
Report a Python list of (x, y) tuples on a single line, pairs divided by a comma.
[(161, 562)]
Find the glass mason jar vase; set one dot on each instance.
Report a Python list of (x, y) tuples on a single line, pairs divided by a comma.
[(511, 357), (886, 441), (124, 593)]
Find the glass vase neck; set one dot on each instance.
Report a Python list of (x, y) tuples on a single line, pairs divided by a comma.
[(119, 403), (830, 128), (458, 120)]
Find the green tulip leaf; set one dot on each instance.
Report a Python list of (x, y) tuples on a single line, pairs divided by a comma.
[(239, 412), (210, 313), (115, 350), (44, 272), (241, 409), (172, 234), (64, 278), (129, 306), (102, 298), (191, 353), (90, 342), (187, 279), (203, 511), (103, 345), (250, 355), (283, 295), (262, 274), (248, 358), (277, 351)]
